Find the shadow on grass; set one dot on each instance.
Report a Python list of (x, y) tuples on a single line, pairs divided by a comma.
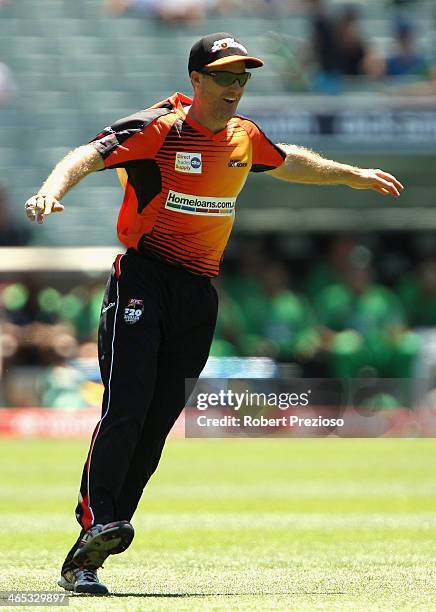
[(170, 595)]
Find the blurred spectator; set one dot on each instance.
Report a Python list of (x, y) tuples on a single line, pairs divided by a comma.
[(288, 324), (281, 325), (363, 325), (407, 59), (82, 306), (353, 53), (11, 233), (331, 267), (261, 8), (246, 283), (337, 48), (182, 11), (175, 12), (143, 8), (323, 44), (417, 293), (230, 325)]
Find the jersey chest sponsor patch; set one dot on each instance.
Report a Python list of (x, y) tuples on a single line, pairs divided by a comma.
[(188, 163), (133, 311), (199, 205)]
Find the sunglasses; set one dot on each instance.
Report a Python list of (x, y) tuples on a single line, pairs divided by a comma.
[(224, 79)]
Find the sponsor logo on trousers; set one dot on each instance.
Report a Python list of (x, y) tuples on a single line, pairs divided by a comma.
[(106, 308), (133, 311)]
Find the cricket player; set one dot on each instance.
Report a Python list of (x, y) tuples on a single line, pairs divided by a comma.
[(182, 164)]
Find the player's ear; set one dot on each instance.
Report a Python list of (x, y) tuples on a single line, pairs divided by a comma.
[(195, 78)]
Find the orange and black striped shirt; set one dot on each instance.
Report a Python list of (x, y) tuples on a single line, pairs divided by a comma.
[(181, 180)]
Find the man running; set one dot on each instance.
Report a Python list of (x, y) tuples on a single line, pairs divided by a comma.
[(182, 163)]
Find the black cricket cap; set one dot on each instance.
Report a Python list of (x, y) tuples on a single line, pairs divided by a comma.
[(220, 49)]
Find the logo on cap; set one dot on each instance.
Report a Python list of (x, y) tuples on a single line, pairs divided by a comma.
[(225, 43)]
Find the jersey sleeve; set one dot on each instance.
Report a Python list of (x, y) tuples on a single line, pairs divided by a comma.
[(265, 154), (131, 139)]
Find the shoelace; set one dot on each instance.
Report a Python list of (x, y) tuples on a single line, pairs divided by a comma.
[(88, 575)]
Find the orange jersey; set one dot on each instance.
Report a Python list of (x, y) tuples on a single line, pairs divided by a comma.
[(181, 180)]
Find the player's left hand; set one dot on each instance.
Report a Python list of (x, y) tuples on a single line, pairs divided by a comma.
[(380, 181)]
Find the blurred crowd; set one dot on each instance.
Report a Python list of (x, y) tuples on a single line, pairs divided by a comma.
[(338, 48), (336, 319), (188, 12), (191, 11), (347, 308), (332, 52), (350, 310), (48, 333)]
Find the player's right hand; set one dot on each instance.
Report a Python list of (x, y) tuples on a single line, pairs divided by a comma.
[(40, 205)]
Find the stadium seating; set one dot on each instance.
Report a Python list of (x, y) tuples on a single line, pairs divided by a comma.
[(78, 69)]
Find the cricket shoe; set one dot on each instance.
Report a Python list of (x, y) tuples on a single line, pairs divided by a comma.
[(101, 541), (82, 581)]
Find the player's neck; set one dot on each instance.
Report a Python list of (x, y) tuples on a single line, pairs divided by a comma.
[(205, 119)]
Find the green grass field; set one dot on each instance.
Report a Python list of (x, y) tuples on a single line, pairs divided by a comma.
[(239, 525)]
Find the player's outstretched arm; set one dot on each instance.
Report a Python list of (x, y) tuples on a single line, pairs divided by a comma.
[(68, 172), (305, 166)]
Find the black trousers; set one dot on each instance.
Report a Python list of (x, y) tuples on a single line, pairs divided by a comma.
[(155, 332)]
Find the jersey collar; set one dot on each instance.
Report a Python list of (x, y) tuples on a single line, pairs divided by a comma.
[(179, 101)]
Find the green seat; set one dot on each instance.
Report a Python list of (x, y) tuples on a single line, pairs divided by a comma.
[(44, 63), (37, 9), (101, 63), (123, 101), (128, 27), (135, 61), (9, 156), (80, 80), (158, 82), (31, 45), (31, 81), (88, 47), (63, 29)]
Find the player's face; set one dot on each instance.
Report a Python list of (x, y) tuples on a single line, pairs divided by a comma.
[(218, 100)]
